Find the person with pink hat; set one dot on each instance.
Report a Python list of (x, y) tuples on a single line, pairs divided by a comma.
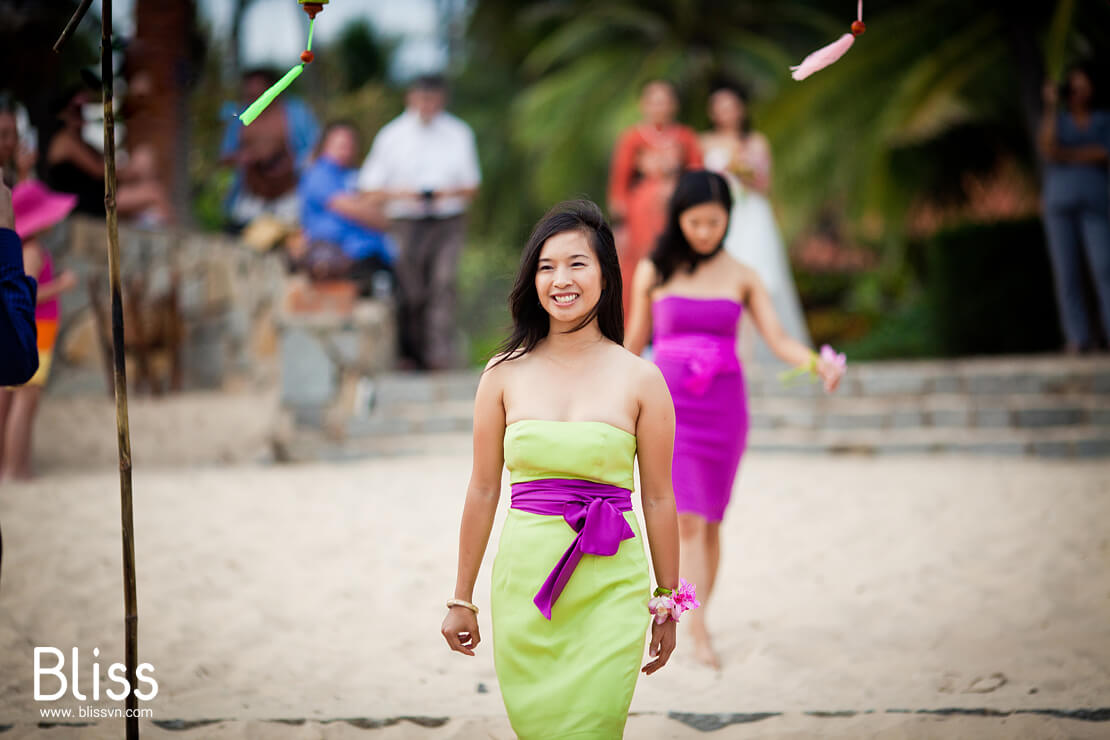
[(37, 209)]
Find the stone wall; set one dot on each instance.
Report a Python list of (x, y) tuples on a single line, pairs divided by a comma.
[(227, 297), (244, 323)]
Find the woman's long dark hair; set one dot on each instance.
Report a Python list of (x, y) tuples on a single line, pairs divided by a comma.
[(672, 252), (530, 321)]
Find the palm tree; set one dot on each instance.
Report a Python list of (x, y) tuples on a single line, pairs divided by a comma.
[(592, 58), (930, 78)]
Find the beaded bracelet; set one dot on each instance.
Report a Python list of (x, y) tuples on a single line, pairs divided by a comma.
[(463, 603)]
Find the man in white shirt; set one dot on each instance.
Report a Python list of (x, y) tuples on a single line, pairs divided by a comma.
[(425, 165)]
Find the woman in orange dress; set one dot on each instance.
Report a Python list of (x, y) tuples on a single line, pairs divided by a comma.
[(646, 164)]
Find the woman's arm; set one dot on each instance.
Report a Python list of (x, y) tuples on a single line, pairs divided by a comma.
[(1091, 154), (61, 284), (757, 159), (692, 157), (759, 304), (460, 628), (621, 173), (639, 311), (33, 264), (84, 157), (1046, 132), (788, 349), (654, 448), (362, 208)]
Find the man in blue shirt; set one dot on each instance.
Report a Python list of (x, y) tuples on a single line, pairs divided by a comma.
[(345, 229), (19, 355)]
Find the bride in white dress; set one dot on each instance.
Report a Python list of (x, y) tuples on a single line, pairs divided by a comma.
[(744, 158)]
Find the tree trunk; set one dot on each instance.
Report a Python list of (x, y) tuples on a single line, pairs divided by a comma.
[(1022, 26), (163, 69)]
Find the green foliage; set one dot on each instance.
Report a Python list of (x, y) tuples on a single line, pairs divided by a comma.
[(486, 274), (909, 332), (990, 289), (359, 56)]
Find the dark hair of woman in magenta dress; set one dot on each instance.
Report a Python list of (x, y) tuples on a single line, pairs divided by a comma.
[(673, 252)]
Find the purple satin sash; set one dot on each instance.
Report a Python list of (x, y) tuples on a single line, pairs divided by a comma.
[(593, 510), (705, 357)]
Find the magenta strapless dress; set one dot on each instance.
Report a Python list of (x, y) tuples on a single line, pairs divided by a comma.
[(694, 345)]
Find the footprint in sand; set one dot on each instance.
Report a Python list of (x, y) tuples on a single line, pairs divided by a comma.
[(947, 683), (986, 685)]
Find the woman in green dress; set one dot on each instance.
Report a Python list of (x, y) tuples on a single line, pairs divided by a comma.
[(567, 409)]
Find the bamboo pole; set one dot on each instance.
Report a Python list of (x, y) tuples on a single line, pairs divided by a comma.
[(74, 22), (131, 616), (123, 433)]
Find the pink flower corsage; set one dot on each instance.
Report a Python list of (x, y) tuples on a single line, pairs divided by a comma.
[(835, 360), (668, 604)]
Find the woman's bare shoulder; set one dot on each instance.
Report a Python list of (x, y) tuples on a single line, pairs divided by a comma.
[(640, 373)]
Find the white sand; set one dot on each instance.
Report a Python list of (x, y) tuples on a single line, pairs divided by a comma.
[(316, 592)]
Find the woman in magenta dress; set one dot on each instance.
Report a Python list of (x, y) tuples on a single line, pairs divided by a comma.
[(688, 297)]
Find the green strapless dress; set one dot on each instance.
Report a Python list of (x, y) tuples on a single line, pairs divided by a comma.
[(572, 676)]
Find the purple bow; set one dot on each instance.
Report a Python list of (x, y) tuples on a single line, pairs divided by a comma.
[(705, 357), (593, 510)]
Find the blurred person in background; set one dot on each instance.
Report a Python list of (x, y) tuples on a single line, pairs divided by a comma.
[(269, 155), (647, 161), (19, 357), (18, 350), (74, 166), (17, 158), (1076, 203), (743, 156), (424, 164), (344, 230), (688, 297), (37, 209)]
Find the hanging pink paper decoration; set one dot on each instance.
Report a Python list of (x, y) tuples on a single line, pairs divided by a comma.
[(826, 55)]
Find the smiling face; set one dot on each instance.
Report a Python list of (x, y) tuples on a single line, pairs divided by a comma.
[(704, 226), (341, 146), (658, 104), (426, 102), (568, 277), (726, 110)]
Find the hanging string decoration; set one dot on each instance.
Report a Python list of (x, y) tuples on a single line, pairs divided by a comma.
[(826, 55), (264, 100)]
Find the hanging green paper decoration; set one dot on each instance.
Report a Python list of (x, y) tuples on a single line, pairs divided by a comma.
[(312, 7)]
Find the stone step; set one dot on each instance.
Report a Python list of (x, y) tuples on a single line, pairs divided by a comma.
[(1046, 405), (1035, 375), (1070, 442), (828, 412)]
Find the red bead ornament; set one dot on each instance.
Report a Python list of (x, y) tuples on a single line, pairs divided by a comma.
[(307, 56), (858, 28), (312, 9)]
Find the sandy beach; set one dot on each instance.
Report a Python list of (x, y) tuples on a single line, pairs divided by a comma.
[(859, 597)]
